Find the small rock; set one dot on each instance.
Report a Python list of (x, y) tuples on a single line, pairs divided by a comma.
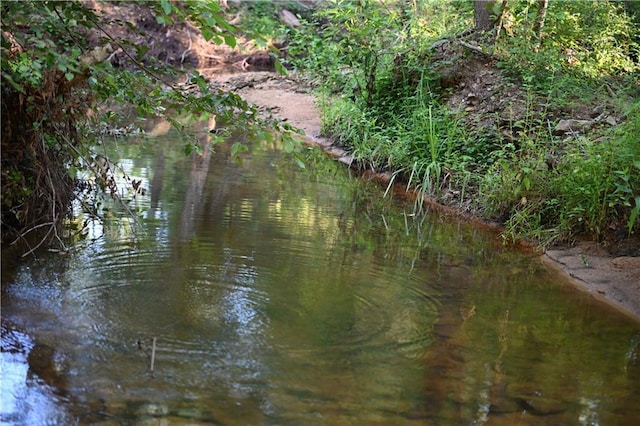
[(152, 409), (190, 413), (438, 43), (472, 99), (50, 365), (507, 135), (534, 401), (572, 125), (597, 111), (289, 19), (611, 121)]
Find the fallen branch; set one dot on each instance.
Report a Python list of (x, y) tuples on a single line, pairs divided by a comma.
[(474, 48)]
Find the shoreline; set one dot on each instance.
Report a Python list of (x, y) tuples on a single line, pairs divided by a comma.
[(614, 280), (587, 266)]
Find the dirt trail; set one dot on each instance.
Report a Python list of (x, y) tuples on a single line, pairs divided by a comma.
[(588, 266)]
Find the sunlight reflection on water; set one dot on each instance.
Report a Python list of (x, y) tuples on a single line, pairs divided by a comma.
[(282, 296)]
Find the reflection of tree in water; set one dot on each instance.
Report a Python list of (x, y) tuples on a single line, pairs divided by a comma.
[(195, 185), (502, 355), (156, 182)]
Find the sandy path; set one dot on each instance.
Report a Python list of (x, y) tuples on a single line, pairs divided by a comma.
[(615, 280)]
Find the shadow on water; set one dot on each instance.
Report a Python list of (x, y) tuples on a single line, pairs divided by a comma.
[(285, 296)]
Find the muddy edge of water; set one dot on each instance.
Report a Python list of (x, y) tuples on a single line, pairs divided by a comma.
[(587, 266)]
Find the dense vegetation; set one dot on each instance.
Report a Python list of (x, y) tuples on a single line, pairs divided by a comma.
[(470, 117), (72, 75), (467, 117)]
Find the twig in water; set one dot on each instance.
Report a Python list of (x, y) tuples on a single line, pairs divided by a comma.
[(406, 225), (153, 354)]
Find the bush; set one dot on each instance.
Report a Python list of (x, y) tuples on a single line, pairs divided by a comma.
[(598, 185), (55, 71), (374, 65)]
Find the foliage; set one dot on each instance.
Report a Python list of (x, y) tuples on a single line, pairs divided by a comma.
[(58, 87), (593, 190), (388, 112), (374, 65), (346, 58), (260, 19), (600, 181), (582, 41)]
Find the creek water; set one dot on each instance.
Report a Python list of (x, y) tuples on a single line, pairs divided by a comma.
[(262, 293)]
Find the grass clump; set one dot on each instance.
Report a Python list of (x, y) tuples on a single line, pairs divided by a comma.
[(469, 118)]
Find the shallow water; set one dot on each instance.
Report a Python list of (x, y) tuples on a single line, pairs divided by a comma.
[(277, 295)]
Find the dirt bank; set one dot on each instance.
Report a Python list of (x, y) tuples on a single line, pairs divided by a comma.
[(614, 279)]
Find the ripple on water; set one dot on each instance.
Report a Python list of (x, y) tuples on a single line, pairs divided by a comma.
[(108, 274), (382, 315), (239, 317), (200, 312)]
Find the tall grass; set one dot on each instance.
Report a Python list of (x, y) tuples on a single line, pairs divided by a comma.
[(381, 100), (599, 184)]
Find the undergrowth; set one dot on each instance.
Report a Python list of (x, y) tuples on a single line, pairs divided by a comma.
[(382, 99)]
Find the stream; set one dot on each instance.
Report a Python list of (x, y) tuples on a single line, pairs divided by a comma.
[(257, 292)]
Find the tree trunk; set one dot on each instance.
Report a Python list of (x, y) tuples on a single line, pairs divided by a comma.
[(503, 9), (540, 17), (481, 13)]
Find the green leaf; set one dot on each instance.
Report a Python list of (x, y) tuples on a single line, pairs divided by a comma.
[(69, 76), (634, 215), (280, 69), (289, 146), (237, 148), (166, 6), (190, 148), (229, 40), (299, 161), (207, 33), (15, 85)]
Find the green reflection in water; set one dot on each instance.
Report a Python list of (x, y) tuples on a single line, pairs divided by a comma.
[(282, 296)]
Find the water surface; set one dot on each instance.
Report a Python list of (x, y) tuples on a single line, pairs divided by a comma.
[(277, 295)]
